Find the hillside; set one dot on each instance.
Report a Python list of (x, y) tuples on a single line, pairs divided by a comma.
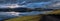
[(25, 18), (54, 12)]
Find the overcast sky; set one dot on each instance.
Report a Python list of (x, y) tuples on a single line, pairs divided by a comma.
[(35, 4)]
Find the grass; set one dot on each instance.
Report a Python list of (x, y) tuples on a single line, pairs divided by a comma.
[(25, 18), (55, 12)]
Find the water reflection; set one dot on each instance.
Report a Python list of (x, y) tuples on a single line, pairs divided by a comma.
[(23, 13), (14, 13)]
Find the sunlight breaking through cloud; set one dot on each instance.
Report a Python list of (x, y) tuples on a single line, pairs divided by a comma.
[(12, 6)]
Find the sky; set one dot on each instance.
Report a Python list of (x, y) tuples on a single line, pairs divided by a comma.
[(32, 4), (51, 4)]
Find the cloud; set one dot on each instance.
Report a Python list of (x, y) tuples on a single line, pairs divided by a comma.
[(37, 5), (11, 6), (50, 4), (54, 5)]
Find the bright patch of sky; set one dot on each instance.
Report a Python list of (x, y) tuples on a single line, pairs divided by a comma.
[(11, 6)]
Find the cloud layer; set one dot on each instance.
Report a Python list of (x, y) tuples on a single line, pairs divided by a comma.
[(53, 4)]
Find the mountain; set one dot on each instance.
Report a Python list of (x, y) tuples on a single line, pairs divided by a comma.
[(19, 9)]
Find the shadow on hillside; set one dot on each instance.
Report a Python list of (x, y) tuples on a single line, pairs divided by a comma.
[(50, 17)]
